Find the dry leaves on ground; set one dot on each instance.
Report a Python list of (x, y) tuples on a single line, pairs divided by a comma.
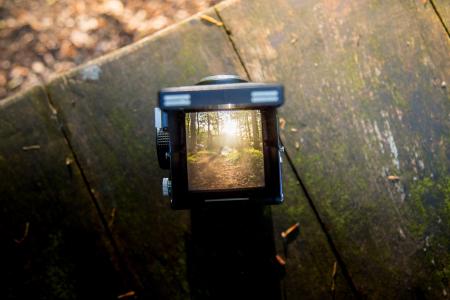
[(41, 38)]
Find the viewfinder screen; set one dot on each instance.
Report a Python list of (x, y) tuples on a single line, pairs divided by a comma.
[(224, 150)]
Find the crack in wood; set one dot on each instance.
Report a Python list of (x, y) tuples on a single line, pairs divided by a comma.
[(440, 17), (329, 239), (233, 45), (129, 278)]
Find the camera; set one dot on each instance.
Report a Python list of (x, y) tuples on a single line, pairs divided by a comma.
[(220, 140)]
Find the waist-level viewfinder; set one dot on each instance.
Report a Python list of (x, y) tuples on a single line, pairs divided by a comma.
[(220, 140)]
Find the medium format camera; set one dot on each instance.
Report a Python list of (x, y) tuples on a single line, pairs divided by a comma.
[(220, 140)]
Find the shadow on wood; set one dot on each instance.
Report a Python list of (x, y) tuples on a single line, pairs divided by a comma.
[(231, 254)]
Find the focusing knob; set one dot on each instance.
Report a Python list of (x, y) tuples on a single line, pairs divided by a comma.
[(166, 186), (221, 79), (162, 148)]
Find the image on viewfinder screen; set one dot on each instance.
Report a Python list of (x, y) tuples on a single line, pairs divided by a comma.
[(224, 150)]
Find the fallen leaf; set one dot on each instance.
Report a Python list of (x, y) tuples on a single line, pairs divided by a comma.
[(294, 129), (113, 7), (297, 145), (18, 71), (181, 14), (38, 67), (67, 49), (81, 39), (15, 82), (2, 80), (87, 24), (158, 22)]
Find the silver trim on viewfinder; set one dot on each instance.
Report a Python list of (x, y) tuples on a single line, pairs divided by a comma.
[(177, 100), (264, 96)]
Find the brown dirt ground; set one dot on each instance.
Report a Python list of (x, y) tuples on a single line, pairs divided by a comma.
[(216, 172), (41, 38)]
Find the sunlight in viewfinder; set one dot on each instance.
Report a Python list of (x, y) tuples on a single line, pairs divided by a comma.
[(230, 127)]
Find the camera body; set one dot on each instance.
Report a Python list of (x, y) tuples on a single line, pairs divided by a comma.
[(220, 140)]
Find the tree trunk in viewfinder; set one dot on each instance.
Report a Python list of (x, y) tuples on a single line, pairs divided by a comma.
[(256, 138), (193, 131), (209, 130), (248, 131)]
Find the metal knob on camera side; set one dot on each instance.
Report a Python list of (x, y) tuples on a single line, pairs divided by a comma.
[(162, 148)]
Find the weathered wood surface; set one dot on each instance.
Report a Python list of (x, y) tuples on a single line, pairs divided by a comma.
[(107, 111), (366, 100), (53, 245), (443, 11)]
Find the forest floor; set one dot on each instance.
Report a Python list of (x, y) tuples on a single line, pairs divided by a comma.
[(42, 38), (236, 169)]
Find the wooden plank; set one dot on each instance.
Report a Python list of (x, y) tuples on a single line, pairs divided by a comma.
[(309, 259), (443, 11), (367, 98), (53, 245), (107, 111)]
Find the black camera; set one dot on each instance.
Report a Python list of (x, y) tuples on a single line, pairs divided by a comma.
[(220, 140)]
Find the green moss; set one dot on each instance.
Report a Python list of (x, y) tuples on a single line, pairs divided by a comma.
[(120, 119), (397, 97), (206, 152), (254, 152), (192, 158), (233, 157), (446, 191), (430, 199), (352, 72)]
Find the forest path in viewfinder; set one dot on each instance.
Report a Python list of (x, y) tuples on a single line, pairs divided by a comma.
[(233, 170)]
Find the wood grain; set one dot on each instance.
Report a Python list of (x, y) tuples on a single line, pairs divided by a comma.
[(367, 98), (53, 245), (443, 10), (107, 111)]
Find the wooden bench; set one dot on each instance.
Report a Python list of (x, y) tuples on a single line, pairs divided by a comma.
[(366, 125)]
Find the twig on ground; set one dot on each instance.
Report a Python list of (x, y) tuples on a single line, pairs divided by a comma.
[(25, 234), (290, 230), (31, 147), (211, 20), (111, 218), (127, 295)]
